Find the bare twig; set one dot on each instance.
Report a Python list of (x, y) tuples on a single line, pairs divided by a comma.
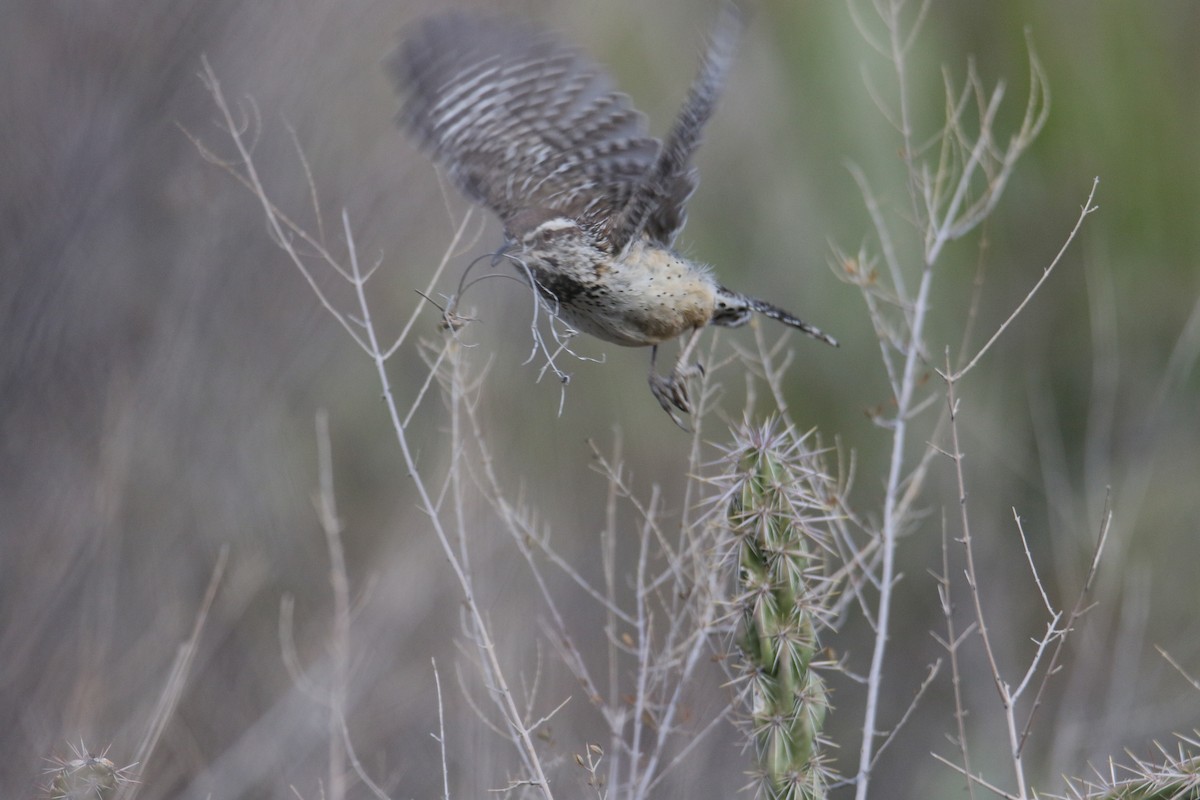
[(951, 644), (168, 700), (1088, 208), (1032, 566), (975, 779), (972, 575), (1178, 667), (361, 328), (357, 766), (441, 734), (1076, 612), (954, 180), (339, 584), (930, 675)]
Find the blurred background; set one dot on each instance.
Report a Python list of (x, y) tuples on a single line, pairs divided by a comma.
[(162, 364)]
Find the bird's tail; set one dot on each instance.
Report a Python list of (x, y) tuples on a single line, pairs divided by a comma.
[(732, 308)]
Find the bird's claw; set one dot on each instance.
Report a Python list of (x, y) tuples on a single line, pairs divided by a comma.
[(671, 391)]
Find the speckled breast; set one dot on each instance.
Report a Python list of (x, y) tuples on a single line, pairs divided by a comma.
[(651, 296)]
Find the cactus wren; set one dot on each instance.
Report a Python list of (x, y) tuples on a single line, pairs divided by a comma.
[(591, 205)]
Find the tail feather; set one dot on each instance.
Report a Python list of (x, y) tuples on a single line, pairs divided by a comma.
[(734, 308)]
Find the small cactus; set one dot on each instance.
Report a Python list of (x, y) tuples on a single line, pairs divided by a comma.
[(86, 777), (1171, 776), (779, 503)]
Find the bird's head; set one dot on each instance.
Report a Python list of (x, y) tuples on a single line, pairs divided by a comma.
[(540, 228)]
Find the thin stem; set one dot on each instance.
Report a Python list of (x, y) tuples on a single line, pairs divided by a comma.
[(339, 584), (892, 521), (1088, 208), (441, 734), (487, 648), (1076, 612)]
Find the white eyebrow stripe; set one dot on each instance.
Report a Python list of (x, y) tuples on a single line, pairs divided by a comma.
[(557, 224)]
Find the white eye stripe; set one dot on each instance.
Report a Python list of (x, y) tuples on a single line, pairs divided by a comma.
[(555, 225)]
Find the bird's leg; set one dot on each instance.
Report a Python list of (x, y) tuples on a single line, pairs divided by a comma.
[(671, 390), (682, 367)]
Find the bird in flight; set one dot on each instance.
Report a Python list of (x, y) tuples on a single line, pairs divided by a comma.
[(591, 204)]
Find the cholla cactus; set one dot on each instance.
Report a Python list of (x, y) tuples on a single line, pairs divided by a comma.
[(1171, 776), (86, 777), (780, 502)]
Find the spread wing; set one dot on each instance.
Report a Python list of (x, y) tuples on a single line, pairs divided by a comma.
[(658, 207), (520, 120)]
